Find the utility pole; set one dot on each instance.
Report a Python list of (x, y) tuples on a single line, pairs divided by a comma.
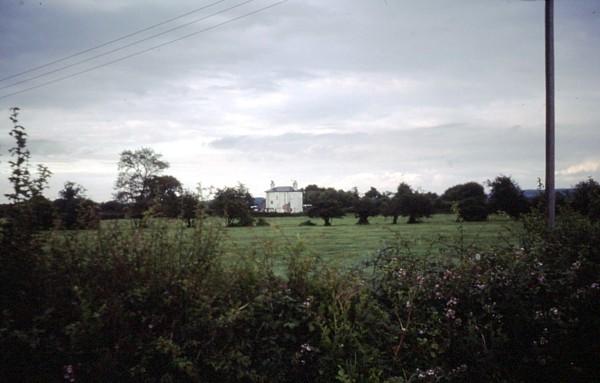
[(550, 192)]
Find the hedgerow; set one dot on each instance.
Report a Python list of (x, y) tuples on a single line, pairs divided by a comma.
[(157, 306)]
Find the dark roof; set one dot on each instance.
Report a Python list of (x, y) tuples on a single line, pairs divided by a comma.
[(282, 189)]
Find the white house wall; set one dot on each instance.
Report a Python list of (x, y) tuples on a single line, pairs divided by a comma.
[(277, 200)]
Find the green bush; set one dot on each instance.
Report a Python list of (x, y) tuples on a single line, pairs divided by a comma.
[(472, 209)]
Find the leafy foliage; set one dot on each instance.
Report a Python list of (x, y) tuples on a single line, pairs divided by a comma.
[(408, 203), (326, 205), (506, 196), (469, 201), (472, 209), (415, 206), (190, 207), (367, 206), (23, 186), (74, 210), (586, 198), (165, 193), (134, 185), (234, 205), (392, 207), (463, 191)]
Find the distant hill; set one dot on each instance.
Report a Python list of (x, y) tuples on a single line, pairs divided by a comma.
[(532, 193)]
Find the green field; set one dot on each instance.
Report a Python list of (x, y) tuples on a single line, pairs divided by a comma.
[(346, 244)]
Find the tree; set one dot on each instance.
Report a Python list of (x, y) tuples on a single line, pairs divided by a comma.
[(134, 183), (164, 194), (29, 209), (408, 203), (68, 204), (506, 196), (392, 206), (463, 191), (586, 198), (311, 193), (23, 186), (40, 211), (189, 203), (469, 201), (472, 209), (111, 210), (345, 199), (87, 214), (326, 205), (367, 206), (74, 209), (234, 205), (415, 206)]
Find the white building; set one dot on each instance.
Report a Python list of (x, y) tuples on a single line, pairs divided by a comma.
[(284, 199)]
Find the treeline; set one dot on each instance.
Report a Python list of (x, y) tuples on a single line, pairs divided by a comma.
[(469, 201), (143, 190)]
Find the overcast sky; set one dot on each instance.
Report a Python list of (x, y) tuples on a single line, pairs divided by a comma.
[(339, 93)]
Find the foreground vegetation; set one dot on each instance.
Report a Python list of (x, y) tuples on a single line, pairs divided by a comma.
[(163, 305)]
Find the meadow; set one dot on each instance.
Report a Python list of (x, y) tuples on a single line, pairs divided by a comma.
[(346, 244)]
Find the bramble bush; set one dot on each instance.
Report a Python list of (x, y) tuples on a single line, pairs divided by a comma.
[(152, 305)]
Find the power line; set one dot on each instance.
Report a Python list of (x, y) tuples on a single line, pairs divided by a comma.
[(146, 50), (111, 41), (125, 46)]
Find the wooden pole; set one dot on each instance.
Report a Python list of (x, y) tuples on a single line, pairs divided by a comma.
[(550, 159)]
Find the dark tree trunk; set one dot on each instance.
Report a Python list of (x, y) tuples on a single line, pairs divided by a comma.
[(395, 220), (327, 223), (363, 220), (412, 219)]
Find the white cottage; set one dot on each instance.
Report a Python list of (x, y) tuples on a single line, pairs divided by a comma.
[(284, 199)]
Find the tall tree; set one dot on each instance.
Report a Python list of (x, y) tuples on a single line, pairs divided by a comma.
[(506, 196), (393, 206), (134, 183)]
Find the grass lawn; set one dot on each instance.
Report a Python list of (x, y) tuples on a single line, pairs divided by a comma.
[(346, 244)]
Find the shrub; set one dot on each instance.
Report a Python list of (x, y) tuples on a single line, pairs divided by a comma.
[(586, 198), (308, 222), (472, 209)]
